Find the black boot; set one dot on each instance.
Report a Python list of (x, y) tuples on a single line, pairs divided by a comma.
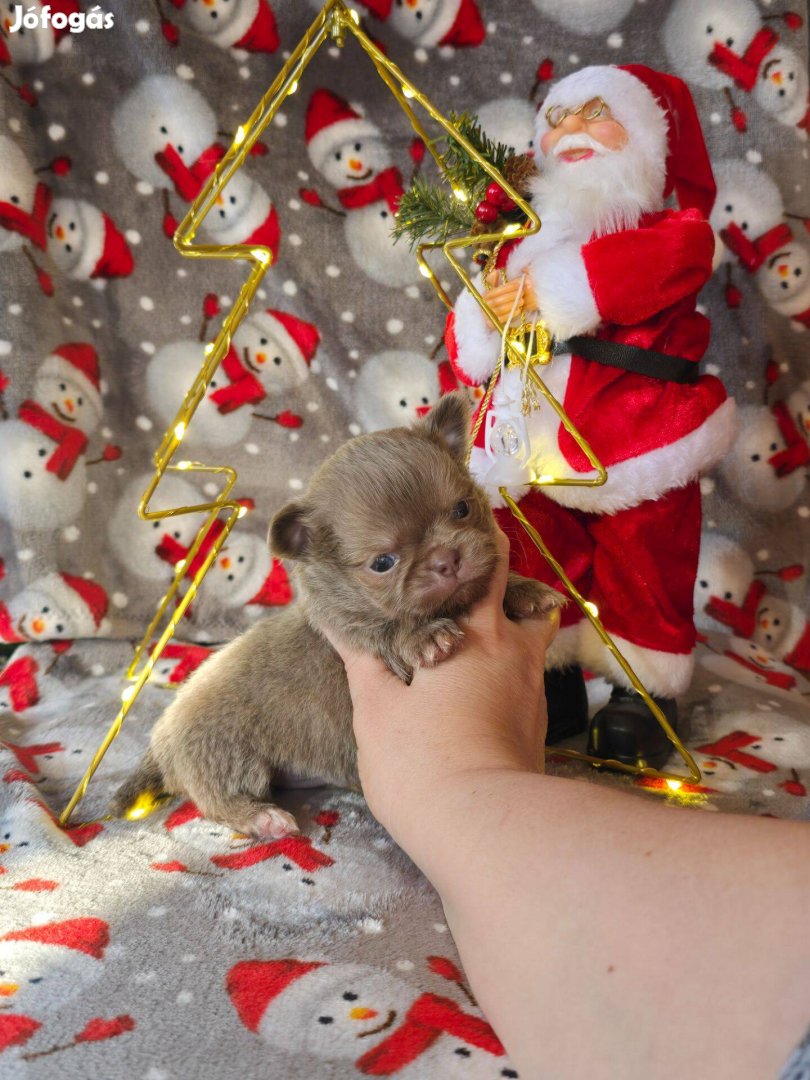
[(567, 704), (626, 730)]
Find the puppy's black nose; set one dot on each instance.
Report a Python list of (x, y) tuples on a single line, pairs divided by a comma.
[(445, 562)]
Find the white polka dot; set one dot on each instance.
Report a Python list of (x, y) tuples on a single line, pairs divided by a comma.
[(332, 383), (133, 236), (77, 301), (325, 438), (354, 354), (289, 288), (184, 997), (294, 436), (312, 406), (280, 119), (5, 348), (315, 367), (334, 52), (715, 118), (120, 600), (147, 303), (527, 39), (15, 309), (143, 422), (303, 175), (706, 485), (420, 56), (454, 80), (768, 792), (332, 270), (412, 291), (210, 488), (71, 534), (66, 321), (156, 912), (148, 348), (25, 554), (231, 913), (615, 40), (784, 366), (244, 72), (763, 554), (92, 487), (144, 976), (405, 965), (505, 77), (573, 58), (295, 483), (712, 369), (803, 511), (352, 373), (492, 27), (97, 670), (394, 326), (102, 177), (753, 156), (142, 26), (188, 958), (295, 239), (39, 85), (88, 78), (14, 124), (354, 429), (763, 707), (185, 319), (347, 316), (184, 72), (294, 204), (750, 384), (143, 187), (715, 688), (56, 132), (251, 448), (182, 272), (96, 324), (154, 1073)]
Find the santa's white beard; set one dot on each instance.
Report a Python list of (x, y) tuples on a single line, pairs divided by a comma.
[(601, 194)]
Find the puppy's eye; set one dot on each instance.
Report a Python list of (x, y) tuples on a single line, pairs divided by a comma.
[(383, 563), (461, 509)]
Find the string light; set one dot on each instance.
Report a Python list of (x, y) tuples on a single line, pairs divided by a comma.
[(179, 430)]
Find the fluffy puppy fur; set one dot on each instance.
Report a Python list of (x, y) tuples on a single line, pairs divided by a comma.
[(391, 544)]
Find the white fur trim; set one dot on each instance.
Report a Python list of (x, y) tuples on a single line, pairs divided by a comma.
[(650, 475), (564, 649), (564, 292), (477, 341), (331, 138), (630, 101), (663, 674)]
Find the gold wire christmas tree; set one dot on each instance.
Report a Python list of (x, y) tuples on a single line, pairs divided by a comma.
[(525, 346)]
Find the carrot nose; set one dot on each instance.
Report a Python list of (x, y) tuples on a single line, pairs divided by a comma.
[(38, 625), (777, 78), (362, 1014), (784, 269), (60, 233), (412, 3), (4, 847), (355, 164), (69, 405), (422, 410), (8, 989), (6, 24), (220, 200), (225, 563), (260, 357), (764, 623), (209, 3)]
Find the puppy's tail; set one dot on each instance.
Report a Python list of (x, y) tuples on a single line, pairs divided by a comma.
[(146, 780)]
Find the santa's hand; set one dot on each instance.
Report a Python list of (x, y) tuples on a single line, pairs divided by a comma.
[(502, 298)]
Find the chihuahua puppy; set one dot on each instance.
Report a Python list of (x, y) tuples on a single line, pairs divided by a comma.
[(391, 544)]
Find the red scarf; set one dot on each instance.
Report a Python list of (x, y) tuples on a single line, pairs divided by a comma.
[(27, 755), (20, 678), (8, 631), (172, 551), (741, 619), (730, 748), (32, 226), (797, 453), (71, 442), (243, 389), (298, 849), (16, 1029), (387, 186), (744, 69), (189, 656), (429, 1017), (782, 679), (188, 180), (804, 123), (802, 317), (751, 254)]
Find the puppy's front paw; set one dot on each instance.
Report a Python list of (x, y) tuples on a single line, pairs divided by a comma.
[(271, 823), (433, 643), (529, 599)]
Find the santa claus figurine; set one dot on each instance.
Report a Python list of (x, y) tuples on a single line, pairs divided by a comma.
[(614, 275)]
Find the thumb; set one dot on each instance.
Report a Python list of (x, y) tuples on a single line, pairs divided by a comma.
[(359, 663)]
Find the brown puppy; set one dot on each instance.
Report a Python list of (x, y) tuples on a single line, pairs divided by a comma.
[(392, 542)]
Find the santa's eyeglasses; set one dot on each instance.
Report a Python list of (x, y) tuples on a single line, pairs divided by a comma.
[(591, 110)]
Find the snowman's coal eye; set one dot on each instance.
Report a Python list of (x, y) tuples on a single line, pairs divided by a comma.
[(727, 596), (222, 213), (68, 247), (326, 1019), (179, 149), (232, 199), (62, 386), (709, 29), (163, 130), (230, 577), (729, 208), (425, 401), (45, 610), (307, 881), (776, 622), (462, 1051), (15, 199), (241, 558), (508, 1072), (729, 41), (403, 402), (418, 16), (155, 524), (744, 226), (286, 866), (704, 584), (338, 156), (781, 93), (349, 996), (80, 401), (59, 628), (756, 457), (791, 76), (42, 453), (263, 341), (358, 146), (774, 446), (176, 535), (72, 225), (27, 474), (277, 361), (797, 272), (776, 738), (37, 980), (383, 213)]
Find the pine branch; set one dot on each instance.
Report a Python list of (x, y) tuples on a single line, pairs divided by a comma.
[(427, 211)]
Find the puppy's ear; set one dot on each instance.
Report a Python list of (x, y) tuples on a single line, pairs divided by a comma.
[(449, 421), (290, 535)]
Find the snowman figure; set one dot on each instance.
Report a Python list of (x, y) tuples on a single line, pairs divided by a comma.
[(169, 374), (139, 544), (58, 607), (589, 17), (177, 662), (695, 29), (761, 742), (245, 574), (748, 663), (32, 46), (783, 629), (68, 384), (442, 23), (510, 121), (19, 680), (165, 133), (781, 89), (750, 469), (784, 281), (747, 214), (394, 388), (350, 152), (273, 353), (85, 243), (726, 594), (44, 967), (233, 24), (24, 200), (243, 214), (34, 497), (25, 830), (353, 1012)]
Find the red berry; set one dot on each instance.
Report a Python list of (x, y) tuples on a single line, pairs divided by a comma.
[(417, 151), (28, 95), (61, 166), (771, 372), (486, 212), (733, 296), (259, 149), (495, 194), (794, 787), (739, 119), (790, 573), (793, 20), (111, 453), (288, 419), (170, 32), (211, 305), (545, 70), (310, 196)]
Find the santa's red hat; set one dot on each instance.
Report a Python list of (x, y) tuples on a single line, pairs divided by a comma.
[(660, 118), (184, 813), (20, 676), (76, 362), (116, 258), (330, 123), (253, 984), (89, 936), (297, 338)]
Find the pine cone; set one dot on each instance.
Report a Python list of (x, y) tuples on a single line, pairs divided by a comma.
[(518, 170)]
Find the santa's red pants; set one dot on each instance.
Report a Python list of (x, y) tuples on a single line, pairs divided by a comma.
[(638, 566)]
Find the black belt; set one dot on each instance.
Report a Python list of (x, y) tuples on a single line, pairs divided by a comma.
[(631, 358)]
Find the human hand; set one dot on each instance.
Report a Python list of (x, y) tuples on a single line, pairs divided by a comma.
[(483, 709), (501, 298)]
